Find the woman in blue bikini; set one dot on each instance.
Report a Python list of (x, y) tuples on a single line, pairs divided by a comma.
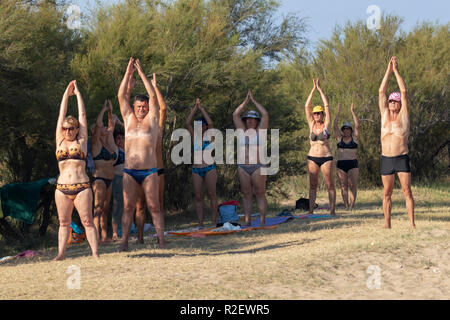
[(105, 153), (250, 176), (347, 164), (319, 156), (203, 174)]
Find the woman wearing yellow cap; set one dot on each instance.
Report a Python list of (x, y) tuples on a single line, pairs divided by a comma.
[(319, 156), (347, 164)]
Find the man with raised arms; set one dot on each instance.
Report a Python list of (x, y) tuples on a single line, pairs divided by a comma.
[(140, 205), (141, 137)]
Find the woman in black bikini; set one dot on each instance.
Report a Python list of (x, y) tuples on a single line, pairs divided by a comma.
[(105, 153), (347, 163), (73, 188), (319, 157)]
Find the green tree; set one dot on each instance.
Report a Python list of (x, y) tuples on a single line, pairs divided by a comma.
[(206, 49), (351, 66), (35, 52)]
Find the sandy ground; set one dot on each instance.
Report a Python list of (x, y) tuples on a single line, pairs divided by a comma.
[(348, 257)]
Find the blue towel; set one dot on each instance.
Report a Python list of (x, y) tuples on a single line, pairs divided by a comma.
[(269, 222)]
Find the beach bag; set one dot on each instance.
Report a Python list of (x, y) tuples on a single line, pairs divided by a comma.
[(228, 212), (303, 204)]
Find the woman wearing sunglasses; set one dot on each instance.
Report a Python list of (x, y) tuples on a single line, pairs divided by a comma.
[(319, 156), (73, 187)]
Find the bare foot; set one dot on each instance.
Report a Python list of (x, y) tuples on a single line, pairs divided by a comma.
[(106, 241), (123, 247), (162, 243), (387, 226), (58, 258), (96, 256)]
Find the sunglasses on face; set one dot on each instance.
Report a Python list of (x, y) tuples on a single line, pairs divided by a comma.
[(69, 128), (317, 113)]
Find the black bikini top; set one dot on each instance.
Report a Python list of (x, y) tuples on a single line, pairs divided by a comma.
[(74, 153), (351, 145), (105, 155)]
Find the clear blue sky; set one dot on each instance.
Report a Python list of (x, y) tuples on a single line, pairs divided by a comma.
[(323, 15)]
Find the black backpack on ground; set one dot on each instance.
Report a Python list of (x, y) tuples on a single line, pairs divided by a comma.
[(303, 204)]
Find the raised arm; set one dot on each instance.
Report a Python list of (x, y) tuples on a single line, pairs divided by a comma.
[(355, 120), (337, 132), (402, 86), (63, 111), (82, 118), (110, 117), (130, 87), (308, 112), (111, 124), (99, 122), (124, 91), (205, 115), (162, 104), (190, 118), (382, 100), (264, 124), (153, 101), (237, 113), (117, 121), (327, 107)]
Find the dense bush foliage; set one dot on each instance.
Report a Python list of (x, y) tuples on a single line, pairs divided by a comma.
[(215, 50)]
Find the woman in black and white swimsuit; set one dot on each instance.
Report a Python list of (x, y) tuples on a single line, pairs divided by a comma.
[(347, 164)]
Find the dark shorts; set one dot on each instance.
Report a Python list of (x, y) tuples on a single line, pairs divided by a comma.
[(392, 165), (347, 165)]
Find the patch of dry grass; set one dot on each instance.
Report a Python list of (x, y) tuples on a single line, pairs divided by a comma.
[(301, 259)]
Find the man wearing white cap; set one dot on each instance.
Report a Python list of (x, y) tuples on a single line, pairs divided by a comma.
[(394, 143)]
